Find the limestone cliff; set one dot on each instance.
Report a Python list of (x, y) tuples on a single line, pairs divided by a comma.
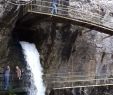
[(8, 17), (63, 47)]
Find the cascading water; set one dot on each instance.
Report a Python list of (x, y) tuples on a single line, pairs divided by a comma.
[(32, 57)]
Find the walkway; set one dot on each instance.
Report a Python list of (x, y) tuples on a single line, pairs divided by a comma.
[(67, 13), (74, 80), (61, 81), (20, 87)]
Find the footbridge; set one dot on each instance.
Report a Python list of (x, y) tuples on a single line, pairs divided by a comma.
[(18, 87), (77, 80), (65, 11), (57, 81)]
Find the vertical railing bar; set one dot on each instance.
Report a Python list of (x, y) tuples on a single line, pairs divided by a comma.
[(40, 5)]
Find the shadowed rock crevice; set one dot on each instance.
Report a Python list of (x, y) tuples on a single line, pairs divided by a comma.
[(63, 47), (67, 50), (57, 43), (54, 40)]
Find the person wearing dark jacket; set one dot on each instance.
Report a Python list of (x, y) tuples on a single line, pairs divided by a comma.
[(6, 77)]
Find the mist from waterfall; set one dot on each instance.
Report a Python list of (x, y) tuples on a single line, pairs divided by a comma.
[(32, 58)]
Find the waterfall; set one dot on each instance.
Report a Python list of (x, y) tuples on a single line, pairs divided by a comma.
[(33, 60)]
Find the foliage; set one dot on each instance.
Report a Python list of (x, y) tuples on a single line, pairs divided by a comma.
[(11, 92)]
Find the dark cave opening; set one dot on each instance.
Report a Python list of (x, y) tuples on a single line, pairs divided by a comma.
[(29, 34), (29, 28), (37, 35), (22, 34), (19, 34)]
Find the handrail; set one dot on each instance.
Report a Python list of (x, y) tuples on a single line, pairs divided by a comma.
[(67, 11), (62, 5), (85, 80), (13, 81), (79, 86), (89, 18), (18, 3), (59, 6), (64, 9), (76, 80), (76, 73)]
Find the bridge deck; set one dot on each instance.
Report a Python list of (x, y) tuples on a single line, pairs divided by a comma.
[(77, 81), (64, 14), (14, 85), (63, 81), (90, 25)]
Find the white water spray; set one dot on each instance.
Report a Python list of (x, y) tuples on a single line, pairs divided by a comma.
[(32, 57)]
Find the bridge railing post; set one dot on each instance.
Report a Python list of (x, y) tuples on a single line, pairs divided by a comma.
[(26, 8), (49, 8), (31, 7), (41, 6)]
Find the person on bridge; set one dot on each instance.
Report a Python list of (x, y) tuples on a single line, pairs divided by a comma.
[(6, 77), (54, 6), (18, 76), (18, 73)]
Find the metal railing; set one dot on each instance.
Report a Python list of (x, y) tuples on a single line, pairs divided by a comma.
[(14, 83), (76, 80), (63, 80), (66, 11)]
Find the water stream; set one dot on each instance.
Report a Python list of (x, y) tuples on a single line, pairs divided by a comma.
[(32, 58)]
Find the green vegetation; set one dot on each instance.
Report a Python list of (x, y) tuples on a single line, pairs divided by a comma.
[(11, 92)]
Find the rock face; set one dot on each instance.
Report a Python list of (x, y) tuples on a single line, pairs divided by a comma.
[(8, 17), (64, 44), (102, 42), (66, 48), (63, 47)]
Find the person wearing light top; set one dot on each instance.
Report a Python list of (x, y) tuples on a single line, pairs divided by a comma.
[(54, 7), (18, 73)]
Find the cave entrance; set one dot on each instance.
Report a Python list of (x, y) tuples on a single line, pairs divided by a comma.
[(35, 28), (28, 28), (23, 34), (23, 31)]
